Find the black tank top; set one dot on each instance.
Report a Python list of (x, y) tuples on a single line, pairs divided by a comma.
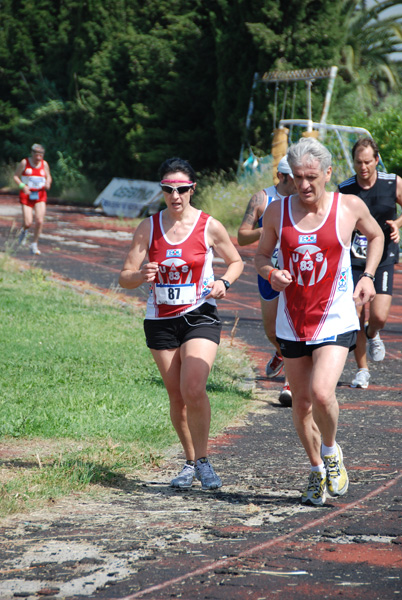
[(381, 202)]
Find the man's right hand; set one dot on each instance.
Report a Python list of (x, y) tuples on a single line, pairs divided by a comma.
[(364, 291)]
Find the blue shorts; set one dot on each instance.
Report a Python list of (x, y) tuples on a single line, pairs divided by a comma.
[(265, 289)]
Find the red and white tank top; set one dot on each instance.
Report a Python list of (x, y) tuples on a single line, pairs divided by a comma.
[(318, 304), (185, 269), (34, 177)]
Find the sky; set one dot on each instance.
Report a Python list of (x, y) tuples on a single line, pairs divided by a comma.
[(395, 10)]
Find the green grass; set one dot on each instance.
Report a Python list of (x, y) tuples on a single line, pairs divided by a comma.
[(81, 400), (227, 200)]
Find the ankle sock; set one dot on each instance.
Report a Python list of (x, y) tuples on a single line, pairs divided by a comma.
[(319, 469), (328, 450)]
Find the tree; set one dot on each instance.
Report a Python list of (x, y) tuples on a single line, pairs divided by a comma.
[(366, 58), (386, 128), (295, 35), (119, 85)]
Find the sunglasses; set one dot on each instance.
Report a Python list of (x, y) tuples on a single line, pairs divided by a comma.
[(181, 189)]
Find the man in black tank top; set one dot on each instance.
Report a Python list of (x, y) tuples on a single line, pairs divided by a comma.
[(381, 192)]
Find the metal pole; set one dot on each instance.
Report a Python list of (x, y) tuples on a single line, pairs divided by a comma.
[(293, 110), (284, 101), (275, 102), (248, 118), (327, 101), (309, 84)]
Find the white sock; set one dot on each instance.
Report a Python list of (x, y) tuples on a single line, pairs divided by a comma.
[(319, 469), (328, 450)]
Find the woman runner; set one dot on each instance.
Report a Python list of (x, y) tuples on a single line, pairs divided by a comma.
[(172, 252)]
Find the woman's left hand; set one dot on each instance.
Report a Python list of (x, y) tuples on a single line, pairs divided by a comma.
[(218, 289)]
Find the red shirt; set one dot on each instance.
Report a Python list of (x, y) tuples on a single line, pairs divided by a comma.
[(185, 269), (35, 179), (318, 304)]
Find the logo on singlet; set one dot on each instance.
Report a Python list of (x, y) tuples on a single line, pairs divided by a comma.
[(175, 270), (310, 238), (308, 264), (173, 253), (343, 281)]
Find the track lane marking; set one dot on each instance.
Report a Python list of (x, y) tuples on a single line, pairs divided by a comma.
[(227, 561)]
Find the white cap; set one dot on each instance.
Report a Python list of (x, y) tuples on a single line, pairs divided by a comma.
[(283, 167)]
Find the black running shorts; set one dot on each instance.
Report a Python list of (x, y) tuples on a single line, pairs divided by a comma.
[(291, 349), (384, 278), (202, 322)]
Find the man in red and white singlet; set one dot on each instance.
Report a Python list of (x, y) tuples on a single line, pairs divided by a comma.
[(319, 263), (317, 320), (33, 179)]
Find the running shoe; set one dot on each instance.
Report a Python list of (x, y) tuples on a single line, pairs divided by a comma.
[(274, 366), (337, 477), (315, 491), (285, 397), (206, 474), (185, 478), (34, 248), (22, 238), (361, 379), (376, 348)]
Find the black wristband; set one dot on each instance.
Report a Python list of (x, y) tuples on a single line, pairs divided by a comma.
[(369, 275), (225, 282)]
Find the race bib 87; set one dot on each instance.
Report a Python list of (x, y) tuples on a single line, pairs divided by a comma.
[(184, 293)]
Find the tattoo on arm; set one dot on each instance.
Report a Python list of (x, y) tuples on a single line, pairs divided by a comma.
[(255, 208)]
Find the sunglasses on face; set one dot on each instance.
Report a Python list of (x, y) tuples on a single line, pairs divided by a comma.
[(181, 189)]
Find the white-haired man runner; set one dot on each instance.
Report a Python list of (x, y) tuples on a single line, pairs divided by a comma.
[(316, 322)]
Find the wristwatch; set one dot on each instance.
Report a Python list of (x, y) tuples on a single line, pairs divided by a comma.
[(225, 282)]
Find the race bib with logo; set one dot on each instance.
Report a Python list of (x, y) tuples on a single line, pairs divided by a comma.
[(35, 182), (359, 246)]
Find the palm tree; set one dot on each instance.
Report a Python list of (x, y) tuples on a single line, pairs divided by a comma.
[(366, 58)]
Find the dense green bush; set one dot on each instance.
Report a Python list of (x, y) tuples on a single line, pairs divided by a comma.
[(113, 87), (386, 129), (118, 86)]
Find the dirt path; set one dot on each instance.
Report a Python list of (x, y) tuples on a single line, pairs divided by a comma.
[(250, 540)]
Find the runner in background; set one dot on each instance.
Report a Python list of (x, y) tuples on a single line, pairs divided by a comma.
[(381, 192), (316, 322), (33, 179), (250, 232), (172, 253)]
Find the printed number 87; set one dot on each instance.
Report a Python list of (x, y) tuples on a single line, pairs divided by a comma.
[(171, 293)]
